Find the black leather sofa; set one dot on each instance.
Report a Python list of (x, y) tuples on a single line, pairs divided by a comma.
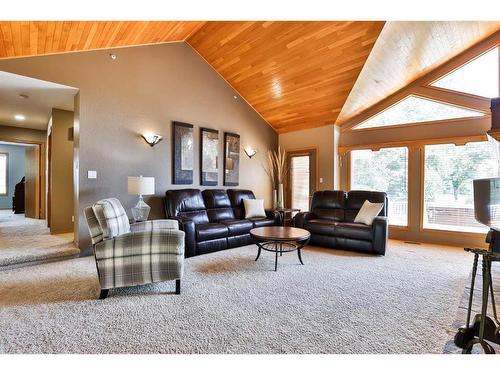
[(214, 219), (331, 221)]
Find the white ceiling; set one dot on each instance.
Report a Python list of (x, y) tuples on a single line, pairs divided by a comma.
[(42, 97), (405, 51)]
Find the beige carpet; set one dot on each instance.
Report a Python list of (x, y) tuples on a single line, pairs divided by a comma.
[(24, 240), (338, 302)]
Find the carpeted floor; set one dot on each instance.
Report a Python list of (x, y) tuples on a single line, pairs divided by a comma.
[(338, 302), (24, 241)]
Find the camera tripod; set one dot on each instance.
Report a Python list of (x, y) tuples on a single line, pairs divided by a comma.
[(484, 328)]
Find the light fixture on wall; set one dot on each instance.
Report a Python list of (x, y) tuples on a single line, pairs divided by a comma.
[(152, 139), (250, 152)]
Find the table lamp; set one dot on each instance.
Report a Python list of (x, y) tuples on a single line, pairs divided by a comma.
[(141, 186)]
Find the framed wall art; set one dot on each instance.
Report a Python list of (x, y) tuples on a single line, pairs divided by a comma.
[(209, 157), (183, 153), (231, 159)]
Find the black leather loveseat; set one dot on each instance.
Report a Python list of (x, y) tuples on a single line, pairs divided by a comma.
[(214, 219), (331, 221)]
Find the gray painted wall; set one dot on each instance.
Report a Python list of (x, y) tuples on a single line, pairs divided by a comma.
[(15, 171), (145, 89)]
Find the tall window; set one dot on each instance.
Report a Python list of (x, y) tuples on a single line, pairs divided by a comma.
[(300, 182), (415, 109), (478, 77), (448, 176), (4, 159), (385, 170)]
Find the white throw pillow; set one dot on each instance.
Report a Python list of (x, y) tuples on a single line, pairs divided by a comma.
[(368, 212), (254, 208)]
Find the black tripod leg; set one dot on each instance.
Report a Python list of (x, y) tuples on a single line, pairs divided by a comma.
[(494, 307), (486, 290), (471, 294)]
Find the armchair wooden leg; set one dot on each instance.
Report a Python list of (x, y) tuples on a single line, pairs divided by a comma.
[(103, 294), (178, 286)]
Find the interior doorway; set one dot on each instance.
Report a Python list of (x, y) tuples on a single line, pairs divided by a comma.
[(302, 179)]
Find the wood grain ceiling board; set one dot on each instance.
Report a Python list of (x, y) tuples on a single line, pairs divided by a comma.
[(406, 51), (294, 74), (29, 38)]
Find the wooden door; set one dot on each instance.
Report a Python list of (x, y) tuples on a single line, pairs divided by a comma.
[(32, 184), (301, 183)]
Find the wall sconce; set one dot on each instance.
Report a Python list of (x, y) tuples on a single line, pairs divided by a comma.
[(250, 152), (152, 139)]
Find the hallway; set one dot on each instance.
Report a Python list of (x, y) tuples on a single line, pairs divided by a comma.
[(25, 241)]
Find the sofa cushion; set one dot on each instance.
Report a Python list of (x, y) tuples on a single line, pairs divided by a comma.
[(328, 204), (237, 227), (187, 204), (320, 226), (218, 205), (353, 231), (262, 222), (236, 197), (356, 198), (211, 231)]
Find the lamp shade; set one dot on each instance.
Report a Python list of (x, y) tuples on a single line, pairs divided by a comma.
[(141, 185)]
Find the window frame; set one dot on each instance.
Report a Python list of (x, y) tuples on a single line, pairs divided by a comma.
[(430, 83), (422, 229), (408, 179), (421, 123), (6, 174)]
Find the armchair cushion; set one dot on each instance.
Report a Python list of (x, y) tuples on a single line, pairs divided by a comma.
[(161, 241), (111, 217), (154, 225)]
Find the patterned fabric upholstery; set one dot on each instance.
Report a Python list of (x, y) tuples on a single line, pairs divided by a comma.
[(94, 227), (111, 217), (154, 225), (147, 252), (138, 258)]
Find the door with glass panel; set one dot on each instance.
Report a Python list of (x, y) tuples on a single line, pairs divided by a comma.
[(302, 179)]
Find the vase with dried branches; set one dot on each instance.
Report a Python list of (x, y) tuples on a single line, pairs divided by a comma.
[(277, 170)]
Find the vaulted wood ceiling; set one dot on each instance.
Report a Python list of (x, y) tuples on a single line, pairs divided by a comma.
[(28, 38), (295, 74)]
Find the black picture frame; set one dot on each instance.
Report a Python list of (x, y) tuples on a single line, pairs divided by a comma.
[(209, 157), (182, 153), (231, 159)]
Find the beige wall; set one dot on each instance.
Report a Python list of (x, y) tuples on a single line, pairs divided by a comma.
[(415, 137), (61, 174), (321, 138), (145, 89)]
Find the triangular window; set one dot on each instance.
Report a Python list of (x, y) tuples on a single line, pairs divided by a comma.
[(415, 109), (478, 76)]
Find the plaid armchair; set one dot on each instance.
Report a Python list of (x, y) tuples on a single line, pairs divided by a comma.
[(133, 254)]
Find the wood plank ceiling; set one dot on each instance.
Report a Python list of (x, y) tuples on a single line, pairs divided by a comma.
[(29, 38), (295, 74), (406, 51)]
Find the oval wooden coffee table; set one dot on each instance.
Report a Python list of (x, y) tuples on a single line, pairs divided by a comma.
[(280, 240)]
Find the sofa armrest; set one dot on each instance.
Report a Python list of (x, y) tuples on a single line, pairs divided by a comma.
[(161, 241), (154, 225), (188, 227), (301, 217), (380, 228), (273, 215)]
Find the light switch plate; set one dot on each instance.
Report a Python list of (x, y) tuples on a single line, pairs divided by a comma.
[(92, 174), (321, 180)]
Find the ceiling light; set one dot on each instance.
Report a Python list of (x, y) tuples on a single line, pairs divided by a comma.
[(235, 97), (113, 56), (20, 117), (23, 96)]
